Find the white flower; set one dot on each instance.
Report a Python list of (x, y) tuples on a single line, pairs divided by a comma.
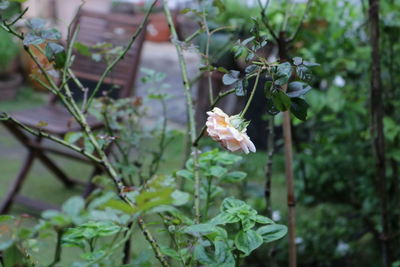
[(229, 131)]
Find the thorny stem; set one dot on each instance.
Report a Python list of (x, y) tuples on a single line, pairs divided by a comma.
[(39, 133), (120, 56), (268, 178), (207, 55), (190, 110), (206, 207), (193, 35), (294, 35), (157, 158), (265, 21), (80, 118), (251, 95), (268, 166), (58, 249)]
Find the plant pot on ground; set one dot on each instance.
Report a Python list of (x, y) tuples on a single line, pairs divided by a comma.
[(157, 26), (10, 80)]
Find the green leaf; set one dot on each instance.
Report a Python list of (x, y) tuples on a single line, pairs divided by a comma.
[(201, 255), (281, 100), (304, 73), (231, 203), (4, 4), (56, 218), (73, 206), (60, 59), (51, 34), (4, 218), (218, 171), (150, 199), (240, 87), (223, 254), (271, 108), (247, 241), (207, 68), (272, 232), (226, 158), (36, 24), (32, 39), (299, 108), (267, 89), (283, 73), (219, 4), (185, 174), (234, 177), (250, 68), (82, 49), (297, 61), (13, 257), (202, 228), (180, 198), (296, 89), (224, 218), (264, 220), (170, 252), (222, 69), (119, 205), (231, 77), (52, 49), (310, 64), (6, 244), (73, 137)]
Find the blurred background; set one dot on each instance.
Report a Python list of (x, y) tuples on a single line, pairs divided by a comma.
[(338, 210)]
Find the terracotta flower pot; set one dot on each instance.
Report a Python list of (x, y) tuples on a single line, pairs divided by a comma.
[(157, 28), (31, 69)]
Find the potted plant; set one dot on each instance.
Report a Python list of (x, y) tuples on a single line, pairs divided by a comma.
[(157, 27), (10, 80)]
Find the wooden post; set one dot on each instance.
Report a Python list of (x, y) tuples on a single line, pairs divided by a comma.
[(378, 138), (287, 135)]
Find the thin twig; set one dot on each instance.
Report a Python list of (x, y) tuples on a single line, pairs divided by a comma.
[(5, 117), (295, 33), (120, 56), (264, 20), (190, 111), (253, 91)]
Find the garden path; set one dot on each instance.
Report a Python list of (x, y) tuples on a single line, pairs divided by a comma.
[(162, 57)]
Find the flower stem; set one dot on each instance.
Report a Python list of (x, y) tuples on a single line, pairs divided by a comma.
[(190, 110), (251, 95)]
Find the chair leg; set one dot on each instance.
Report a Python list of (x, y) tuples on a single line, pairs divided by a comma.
[(17, 183), (55, 169)]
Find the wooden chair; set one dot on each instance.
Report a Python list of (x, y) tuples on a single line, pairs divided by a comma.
[(94, 28)]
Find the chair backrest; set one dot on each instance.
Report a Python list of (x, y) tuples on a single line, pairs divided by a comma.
[(115, 29)]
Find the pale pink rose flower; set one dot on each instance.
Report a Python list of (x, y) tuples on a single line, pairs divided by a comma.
[(220, 128)]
